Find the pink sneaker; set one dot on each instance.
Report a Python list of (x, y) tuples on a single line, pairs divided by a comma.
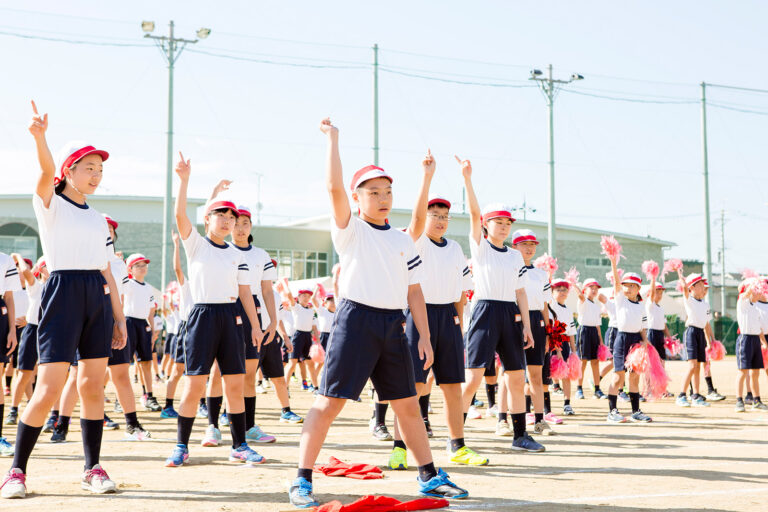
[(14, 484), (551, 418), (530, 419), (97, 480)]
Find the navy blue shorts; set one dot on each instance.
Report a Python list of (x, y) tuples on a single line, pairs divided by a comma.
[(271, 359), (4, 330), (368, 343), (610, 336), (302, 342), (324, 339), (587, 342), (28, 348), (139, 338), (251, 352), (490, 368), (565, 350), (748, 353), (496, 326), (170, 340), (621, 346), (656, 338), (695, 344), (213, 333), (546, 375), (534, 356), (447, 345), (15, 354), (76, 317), (178, 343)]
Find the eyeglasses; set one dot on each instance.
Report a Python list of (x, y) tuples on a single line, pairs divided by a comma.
[(439, 217)]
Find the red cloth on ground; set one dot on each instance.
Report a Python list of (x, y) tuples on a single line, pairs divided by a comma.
[(359, 471), (382, 504)]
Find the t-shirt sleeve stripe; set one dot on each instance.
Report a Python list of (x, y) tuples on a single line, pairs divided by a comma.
[(414, 265), (11, 272), (414, 260)]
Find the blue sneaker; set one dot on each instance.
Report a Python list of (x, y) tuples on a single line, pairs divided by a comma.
[(6, 448), (224, 420), (525, 443), (440, 487), (202, 411), (300, 494), (580, 394), (245, 453), (50, 424), (169, 413), (291, 417), (178, 457)]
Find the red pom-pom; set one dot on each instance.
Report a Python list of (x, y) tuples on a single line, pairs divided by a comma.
[(765, 355), (610, 247), (546, 263), (637, 359), (574, 367), (672, 265), (650, 269), (316, 353), (604, 353), (558, 368), (715, 351), (673, 345)]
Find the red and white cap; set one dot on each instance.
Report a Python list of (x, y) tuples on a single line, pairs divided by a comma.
[(631, 278), (560, 283), (134, 259), (435, 199), (589, 282), (660, 286), (75, 151), (368, 172), (692, 279), (221, 204), (244, 210), (38, 267), (304, 290), (494, 210), (274, 262), (329, 295), (524, 235), (112, 222)]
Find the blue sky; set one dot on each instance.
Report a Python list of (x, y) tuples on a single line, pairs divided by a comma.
[(631, 166)]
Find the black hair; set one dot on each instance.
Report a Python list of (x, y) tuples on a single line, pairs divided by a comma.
[(250, 239), (440, 205), (114, 238), (59, 187)]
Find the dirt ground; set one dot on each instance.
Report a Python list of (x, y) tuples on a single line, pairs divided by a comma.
[(687, 459)]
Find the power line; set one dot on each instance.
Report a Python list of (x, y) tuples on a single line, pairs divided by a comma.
[(70, 16), (451, 81), (72, 41), (736, 109), (278, 63), (631, 100), (736, 88)]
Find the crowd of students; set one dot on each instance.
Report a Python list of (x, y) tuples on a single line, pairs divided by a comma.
[(408, 310)]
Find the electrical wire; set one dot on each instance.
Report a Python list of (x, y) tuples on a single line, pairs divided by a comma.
[(452, 81), (630, 100), (72, 41), (276, 63)]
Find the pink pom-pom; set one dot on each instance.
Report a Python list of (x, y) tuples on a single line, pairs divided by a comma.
[(609, 275), (316, 353), (546, 263), (715, 351), (765, 355), (748, 273), (679, 285), (574, 367), (572, 276), (673, 345), (759, 286), (558, 368), (637, 359), (655, 380), (321, 291), (610, 247), (650, 269), (672, 265), (604, 353)]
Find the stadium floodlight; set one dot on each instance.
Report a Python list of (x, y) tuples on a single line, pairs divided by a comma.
[(148, 26), (203, 33)]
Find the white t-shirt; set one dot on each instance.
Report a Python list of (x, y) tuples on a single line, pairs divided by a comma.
[(446, 274), (260, 268), (379, 264), (215, 271), (589, 313), (35, 293), (630, 315), (763, 307), (185, 301), (172, 322), (9, 275), (655, 314), (265, 318), (697, 311), (565, 315), (324, 319), (610, 310), (537, 288), (303, 318), (498, 273), (73, 236), (287, 318), (749, 316), (20, 302), (138, 299), (120, 273)]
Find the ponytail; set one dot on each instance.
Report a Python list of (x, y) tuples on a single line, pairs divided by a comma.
[(250, 239), (60, 186)]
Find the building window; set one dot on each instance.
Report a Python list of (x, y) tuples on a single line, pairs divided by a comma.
[(597, 262), (296, 265), (24, 245), (730, 301)]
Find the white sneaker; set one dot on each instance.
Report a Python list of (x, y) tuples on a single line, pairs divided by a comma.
[(473, 413), (212, 436), (267, 384), (543, 428), (260, 390), (502, 429), (97, 480), (14, 485), (492, 412)]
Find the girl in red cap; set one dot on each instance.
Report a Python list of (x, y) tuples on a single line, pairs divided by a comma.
[(80, 311)]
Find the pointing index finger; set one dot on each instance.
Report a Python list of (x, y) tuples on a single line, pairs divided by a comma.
[(457, 158), (182, 157), (34, 107)]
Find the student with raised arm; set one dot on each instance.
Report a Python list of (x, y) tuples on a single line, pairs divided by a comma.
[(698, 336), (80, 311), (589, 337), (500, 321), (380, 278), (218, 276)]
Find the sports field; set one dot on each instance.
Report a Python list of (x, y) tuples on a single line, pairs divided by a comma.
[(687, 459)]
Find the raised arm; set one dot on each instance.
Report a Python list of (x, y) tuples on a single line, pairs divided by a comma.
[(419, 214), (334, 179), (183, 169), (616, 277), (686, 292), (38, 128), (219, 188), (475, 214), (25, 272), (316, 297), (177, 259)]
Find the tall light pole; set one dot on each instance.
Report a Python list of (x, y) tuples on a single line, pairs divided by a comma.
[(549, 86), (723, 308), (705, 163), (171, 47), (375, 104)]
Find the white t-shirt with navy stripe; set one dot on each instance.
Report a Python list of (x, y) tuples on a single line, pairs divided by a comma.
[(697, 311), (138, 299), (630, 315), (537, 288), (446, 273), (303, 318), (120, 273), (748, 315), (378, 264), (498, 273), (657, 320), (9, 275), (260, 268), (565, 315), (215, 271), (589, 313), (74, 236), (324, 319)]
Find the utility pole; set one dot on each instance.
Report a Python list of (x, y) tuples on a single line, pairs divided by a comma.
[(259, 176), (705, 161), (171, 47), (549, 86), (375, 104), (723, 307), (525, 209)]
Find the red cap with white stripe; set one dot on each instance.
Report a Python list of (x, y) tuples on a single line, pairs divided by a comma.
[(495, 210), (110, 221), (435, 199), (560, 283), (631, 278), (244, 210), (368, 172), (75, 151), (134, 259), (692, 279), (589, 282), (304, 290), (524, 235), (222, 205)]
